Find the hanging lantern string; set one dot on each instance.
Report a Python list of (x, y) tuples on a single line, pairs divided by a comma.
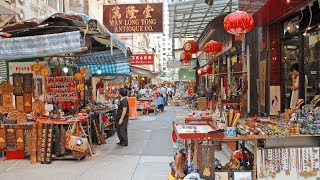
[(305, 33)]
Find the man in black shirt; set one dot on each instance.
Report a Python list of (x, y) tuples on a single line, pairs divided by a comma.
[(123, 118)]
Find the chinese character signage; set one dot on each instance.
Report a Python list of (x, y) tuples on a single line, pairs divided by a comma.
[(133, 18), (142, 59)]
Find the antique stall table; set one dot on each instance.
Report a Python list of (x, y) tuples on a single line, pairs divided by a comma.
[(16, 147), (206, 133), (63, 122)]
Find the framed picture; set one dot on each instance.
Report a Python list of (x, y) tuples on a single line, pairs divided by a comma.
[(221, 175), (242, 175), (206, 161)]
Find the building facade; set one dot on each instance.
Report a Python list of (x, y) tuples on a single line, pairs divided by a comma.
[(18, 10)]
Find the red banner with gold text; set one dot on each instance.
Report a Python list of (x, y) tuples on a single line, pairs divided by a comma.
[(141, 59)]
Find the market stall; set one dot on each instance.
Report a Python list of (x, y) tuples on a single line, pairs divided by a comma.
[(47, 108)]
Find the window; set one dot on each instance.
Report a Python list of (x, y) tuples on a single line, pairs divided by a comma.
[(164, 54), (163, 49), (312, 65)]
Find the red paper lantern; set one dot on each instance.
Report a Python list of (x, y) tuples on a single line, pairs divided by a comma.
[(207, 69), (213, 47), (238, 23), (185, 57), (191, 47), (201, 72)]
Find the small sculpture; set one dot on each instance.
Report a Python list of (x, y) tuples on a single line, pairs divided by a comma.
[(234, 163), (179, 161)]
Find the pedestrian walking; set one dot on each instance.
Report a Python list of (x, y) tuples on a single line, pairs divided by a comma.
[(160, 102), (123, 118)]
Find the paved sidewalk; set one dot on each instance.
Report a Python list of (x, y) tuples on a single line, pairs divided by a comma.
[(146, 158)]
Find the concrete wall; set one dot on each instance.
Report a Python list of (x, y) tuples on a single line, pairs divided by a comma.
[(80, 6)]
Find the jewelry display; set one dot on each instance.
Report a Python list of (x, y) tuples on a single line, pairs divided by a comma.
[(261, 173), (305, 161)]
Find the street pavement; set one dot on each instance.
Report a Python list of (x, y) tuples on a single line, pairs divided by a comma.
[(147, 157)]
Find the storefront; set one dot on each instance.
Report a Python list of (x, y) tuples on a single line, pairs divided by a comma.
[(225, 83), (253, 78), (46, 102)]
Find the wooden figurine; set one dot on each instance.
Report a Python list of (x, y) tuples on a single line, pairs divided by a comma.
[(234, 163)]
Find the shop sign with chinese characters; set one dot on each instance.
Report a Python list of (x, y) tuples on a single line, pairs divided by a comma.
[(142, 59), (133, 18)]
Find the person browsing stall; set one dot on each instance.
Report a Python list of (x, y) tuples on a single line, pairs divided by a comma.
[(123, 118), (295, 85)]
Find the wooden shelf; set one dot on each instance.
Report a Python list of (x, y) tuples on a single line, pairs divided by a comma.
[(304, 135)]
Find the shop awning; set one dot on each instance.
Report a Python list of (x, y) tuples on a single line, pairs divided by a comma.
[(143, 72), (190, 18), (109, 69), (103, 57), (42, 45)]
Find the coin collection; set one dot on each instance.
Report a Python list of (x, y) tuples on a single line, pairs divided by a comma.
[(304, 161)]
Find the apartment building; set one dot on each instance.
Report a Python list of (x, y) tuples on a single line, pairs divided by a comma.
[(18, 10)]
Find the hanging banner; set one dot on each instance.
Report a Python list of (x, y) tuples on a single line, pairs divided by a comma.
[(132, 107), (275, 103), (193, 64), (133, 18), (141, 59), (173, 64)]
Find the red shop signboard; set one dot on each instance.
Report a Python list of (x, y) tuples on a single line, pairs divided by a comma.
[(142, 59)]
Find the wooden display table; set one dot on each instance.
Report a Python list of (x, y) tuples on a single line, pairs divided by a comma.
[(203, 119), (69, 122), (209, 132), (198, 132)]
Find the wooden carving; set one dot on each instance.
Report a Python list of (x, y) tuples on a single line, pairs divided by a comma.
[(27, 102), (44, 141), (49, 143), (19, 139), (19, 103), (27, 133), (11, 139), (39, 139), (6, 90), (3, 144), (27, 83), (206, 161), (33, 154), (17, 83)]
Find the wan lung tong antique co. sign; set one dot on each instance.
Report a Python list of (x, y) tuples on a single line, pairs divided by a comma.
[(133, 18)]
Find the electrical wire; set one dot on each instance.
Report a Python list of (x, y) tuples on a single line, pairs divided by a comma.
[(300, 18), (305, 33)]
